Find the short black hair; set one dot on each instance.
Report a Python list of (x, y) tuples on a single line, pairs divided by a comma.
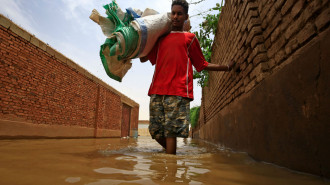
[(182, 3)]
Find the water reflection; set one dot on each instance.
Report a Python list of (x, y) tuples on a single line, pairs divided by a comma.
[(173, 170), (135, 161), (197, 162), (145, 162)]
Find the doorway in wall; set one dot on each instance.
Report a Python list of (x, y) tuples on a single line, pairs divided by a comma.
[(125, 121)]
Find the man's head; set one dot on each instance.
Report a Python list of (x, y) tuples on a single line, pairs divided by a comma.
[(179, 14)]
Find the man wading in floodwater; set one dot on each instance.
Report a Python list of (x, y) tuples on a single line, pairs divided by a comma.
[(171, 89)]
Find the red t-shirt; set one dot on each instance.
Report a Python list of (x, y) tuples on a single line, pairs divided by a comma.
[(174, 56)]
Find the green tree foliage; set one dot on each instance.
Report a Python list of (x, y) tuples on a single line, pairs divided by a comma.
[(194, 115), (206, 36)]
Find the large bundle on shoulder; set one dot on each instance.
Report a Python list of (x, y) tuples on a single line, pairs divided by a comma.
[(129, 35)]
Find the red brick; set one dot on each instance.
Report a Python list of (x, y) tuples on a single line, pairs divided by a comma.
[(268, 43), (291, 46), (264, 11), (262, 57), (261, 5), (242, 9), (275, 34), (243, 66), (279, 56), (273, 24), (310, 10), (297, 25), (271, 14), (245, 23), (276, 47), (288, 4), (307, 32), (258, 49), (257, 40), (261, 76), (243, 40), (247, 53), (323, 19), (250, 86), (260, 68), (278, 4), (264, 24), (254, 31), (250, 7), (246, 80), (253, 22), (247, 70), (286, 21), (297, 8), (271, 63)]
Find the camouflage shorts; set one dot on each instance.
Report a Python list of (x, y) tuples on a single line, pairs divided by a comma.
[(169, 116)]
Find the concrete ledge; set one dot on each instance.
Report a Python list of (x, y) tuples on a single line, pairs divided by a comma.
[(4, 21), (34, 41), (50, 50), (20, 32), (108, 133), (20, 129)]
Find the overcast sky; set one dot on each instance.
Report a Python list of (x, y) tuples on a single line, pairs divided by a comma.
[(65, 26)]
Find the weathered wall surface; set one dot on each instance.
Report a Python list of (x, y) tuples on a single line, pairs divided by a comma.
[(275, 104), (43, 93)]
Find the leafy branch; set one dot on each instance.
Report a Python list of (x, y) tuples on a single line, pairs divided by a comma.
[(194, 115), (205, 35), (197, 2)]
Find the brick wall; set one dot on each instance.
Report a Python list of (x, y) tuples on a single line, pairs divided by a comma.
[(274, 104), (40, 86)]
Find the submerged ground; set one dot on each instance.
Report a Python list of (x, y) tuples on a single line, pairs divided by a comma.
[(135, 161)]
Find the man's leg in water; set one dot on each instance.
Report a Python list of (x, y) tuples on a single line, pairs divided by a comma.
[(162, 142), (169, 119), (176, 110), (157, 118), (171, 145)]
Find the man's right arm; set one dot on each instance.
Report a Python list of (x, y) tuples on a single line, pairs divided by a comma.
[(218, 67)]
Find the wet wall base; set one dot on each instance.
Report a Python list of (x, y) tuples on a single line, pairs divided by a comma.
[(10, 129), (285, 119)]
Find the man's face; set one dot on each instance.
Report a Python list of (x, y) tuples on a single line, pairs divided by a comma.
[(178, 17)]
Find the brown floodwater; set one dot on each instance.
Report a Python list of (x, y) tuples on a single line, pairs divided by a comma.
[(132, 161)]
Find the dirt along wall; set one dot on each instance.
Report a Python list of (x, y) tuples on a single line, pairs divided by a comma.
[(275, 103), (45, 94)]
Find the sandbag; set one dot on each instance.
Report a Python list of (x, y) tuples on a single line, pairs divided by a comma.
[(150, 28), (129, 35)]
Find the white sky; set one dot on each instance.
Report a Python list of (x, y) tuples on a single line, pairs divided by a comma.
[(65, 26)]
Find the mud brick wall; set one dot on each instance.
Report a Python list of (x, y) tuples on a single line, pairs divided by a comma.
[(275, 103), (43, 93)]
